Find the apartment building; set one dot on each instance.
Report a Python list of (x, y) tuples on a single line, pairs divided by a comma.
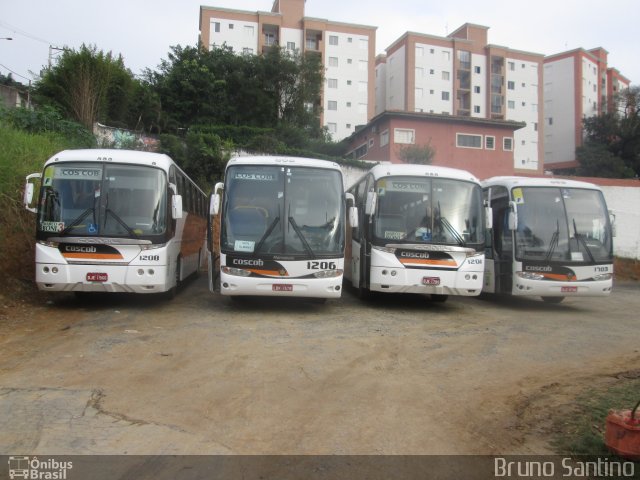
[(577, 84), (348, 53), (462, 75)]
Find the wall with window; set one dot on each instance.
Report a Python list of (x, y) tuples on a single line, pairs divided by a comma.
[(240, 35), (434, 80), (395, 81)]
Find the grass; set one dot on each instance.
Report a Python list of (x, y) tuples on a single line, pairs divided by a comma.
[(581, 431), (22, 153)]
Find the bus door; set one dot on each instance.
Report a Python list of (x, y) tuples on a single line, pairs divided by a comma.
[(502, 240)]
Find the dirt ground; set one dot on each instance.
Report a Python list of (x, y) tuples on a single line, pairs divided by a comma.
[(396, 375)]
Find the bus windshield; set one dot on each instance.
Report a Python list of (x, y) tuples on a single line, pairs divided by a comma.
[(428, 210), (95, 199), (294, 211), (562, 224)]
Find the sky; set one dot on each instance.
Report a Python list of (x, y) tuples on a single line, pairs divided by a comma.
[(144, 31)]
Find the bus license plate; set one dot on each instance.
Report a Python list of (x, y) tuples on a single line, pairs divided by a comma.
[(97, 277), (282, 287), (569, 289), (431, 280)]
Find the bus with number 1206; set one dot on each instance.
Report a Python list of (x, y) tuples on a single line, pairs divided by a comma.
[(278, 228)]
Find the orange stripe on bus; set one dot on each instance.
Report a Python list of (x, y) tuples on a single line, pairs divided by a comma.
[(269, 272), (557, 276), (96, 256), (448, 263)]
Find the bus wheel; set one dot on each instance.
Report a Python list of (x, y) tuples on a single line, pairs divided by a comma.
[(552, 299), (439, 298)]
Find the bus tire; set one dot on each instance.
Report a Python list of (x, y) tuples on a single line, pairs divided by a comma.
[(439, 298), (552, 299)]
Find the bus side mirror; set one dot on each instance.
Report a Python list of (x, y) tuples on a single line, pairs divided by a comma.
[(512, 219), (612, 221), (176, 207), (488, 218), (372, 202), (29, 191), (352, 209), (214, 206)]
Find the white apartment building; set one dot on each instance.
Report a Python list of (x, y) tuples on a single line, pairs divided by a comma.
[(462, 75), (348, 53), (577, 84)]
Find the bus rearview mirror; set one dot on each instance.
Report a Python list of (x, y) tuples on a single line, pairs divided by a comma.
[(176, 207), (372, 201), (612, 221), (29, 191), (488, 218), (512, 218), (214, 206)]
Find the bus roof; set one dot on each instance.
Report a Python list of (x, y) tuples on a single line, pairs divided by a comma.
[(113, 155), (283, 160), (395, 169), (511, 182)]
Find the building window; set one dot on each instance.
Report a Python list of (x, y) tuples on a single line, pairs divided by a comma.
[(349, 61), (511, 85), (247, 51), (419, 72), (291, 45), (216, 27), (512, 65), (446, 76), (507, 144), (333, 61), (248, 31), (348, 104), (269, 39), (432, 71), (384, 138), (550, 120), (476, 109), (511, 104), (477, 69), (363, 65), (476, 89), (350, 39), (348, 82), (446, 55), (371, 143), (464, 140), (231, 26), (364, 44), (333, 105), (432, 51), (332, 83), (419, 93), (404, 135), (431, 92), (333, 127), (490, 142), (333, 40), (445, 96), (361, 151)]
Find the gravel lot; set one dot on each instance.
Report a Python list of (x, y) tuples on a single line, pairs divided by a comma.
[(202, 374)]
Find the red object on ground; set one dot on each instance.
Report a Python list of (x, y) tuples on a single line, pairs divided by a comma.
[(622, 433)]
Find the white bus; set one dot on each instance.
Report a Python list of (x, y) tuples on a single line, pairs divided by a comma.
[(550, 238), (115, 221), (279, 228), (421, 230)]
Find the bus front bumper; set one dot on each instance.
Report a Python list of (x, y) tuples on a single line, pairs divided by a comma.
[(435, 282), (549, 288), (101, 278), (279, 287)]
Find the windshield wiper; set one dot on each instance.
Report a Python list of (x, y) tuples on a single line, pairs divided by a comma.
[(454, 233), (78, 219), (267, 234), (580, 238), (554, 241), (121, 222), (296, 228)]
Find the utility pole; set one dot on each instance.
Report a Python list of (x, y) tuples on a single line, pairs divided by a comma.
[(53, 49)]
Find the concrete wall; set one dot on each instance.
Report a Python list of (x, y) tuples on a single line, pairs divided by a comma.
[(623, 202)]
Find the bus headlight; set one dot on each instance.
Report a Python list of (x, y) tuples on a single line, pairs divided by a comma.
[(530, 275), (328, 274), (603, 276), (238, 272)]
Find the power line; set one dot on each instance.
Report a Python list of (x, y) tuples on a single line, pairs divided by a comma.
[(17, 74), (24, 33)]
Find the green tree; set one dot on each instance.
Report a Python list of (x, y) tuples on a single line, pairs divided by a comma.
[(88, 85), (612, 140)]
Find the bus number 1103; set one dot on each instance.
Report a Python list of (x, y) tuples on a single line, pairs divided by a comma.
[(316, 265)]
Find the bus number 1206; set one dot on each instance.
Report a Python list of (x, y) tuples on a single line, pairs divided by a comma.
[(316, 265)]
